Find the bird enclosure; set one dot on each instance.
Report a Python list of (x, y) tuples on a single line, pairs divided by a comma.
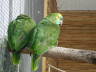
[(77, 35)]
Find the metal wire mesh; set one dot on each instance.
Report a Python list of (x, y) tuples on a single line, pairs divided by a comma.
[(4, 16), (9, 10)]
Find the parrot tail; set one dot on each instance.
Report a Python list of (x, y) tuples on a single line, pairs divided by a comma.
[(35, 62), (16, 57)]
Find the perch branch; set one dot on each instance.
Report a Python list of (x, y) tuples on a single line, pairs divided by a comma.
[(25, 51), (72, 54), (69, 54)]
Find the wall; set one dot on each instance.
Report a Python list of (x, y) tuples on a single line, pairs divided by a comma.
[(76, 4), (78, 31)]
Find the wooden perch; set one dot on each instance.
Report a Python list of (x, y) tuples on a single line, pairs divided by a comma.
[(70, 54)]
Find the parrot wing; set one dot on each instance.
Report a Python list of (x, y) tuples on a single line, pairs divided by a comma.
[(45, 36), (19, 35)]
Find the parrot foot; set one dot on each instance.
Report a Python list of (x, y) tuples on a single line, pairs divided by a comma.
[(30, 53)]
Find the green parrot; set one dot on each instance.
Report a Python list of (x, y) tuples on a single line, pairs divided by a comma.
[(19, 35), (44, 37)]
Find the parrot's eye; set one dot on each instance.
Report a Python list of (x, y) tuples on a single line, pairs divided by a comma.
[(57, 17)]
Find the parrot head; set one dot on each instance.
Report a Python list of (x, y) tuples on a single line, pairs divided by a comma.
[(22, 16), (55, 18)]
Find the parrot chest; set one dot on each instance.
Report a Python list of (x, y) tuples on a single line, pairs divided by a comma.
[(47, 36)]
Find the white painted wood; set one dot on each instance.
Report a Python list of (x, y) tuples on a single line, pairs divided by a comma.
[(25, 65), (76, 4)]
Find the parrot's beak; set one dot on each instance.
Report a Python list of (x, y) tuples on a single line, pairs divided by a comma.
[(61, 22)]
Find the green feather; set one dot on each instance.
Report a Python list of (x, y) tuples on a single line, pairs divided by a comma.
[(35, 62), (19, 34), (44, 37), (16, 58)]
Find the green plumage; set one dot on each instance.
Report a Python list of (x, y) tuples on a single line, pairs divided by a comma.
[(19, 35), (44, 37)]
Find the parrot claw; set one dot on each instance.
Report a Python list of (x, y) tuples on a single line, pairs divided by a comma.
[(30, 53)]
